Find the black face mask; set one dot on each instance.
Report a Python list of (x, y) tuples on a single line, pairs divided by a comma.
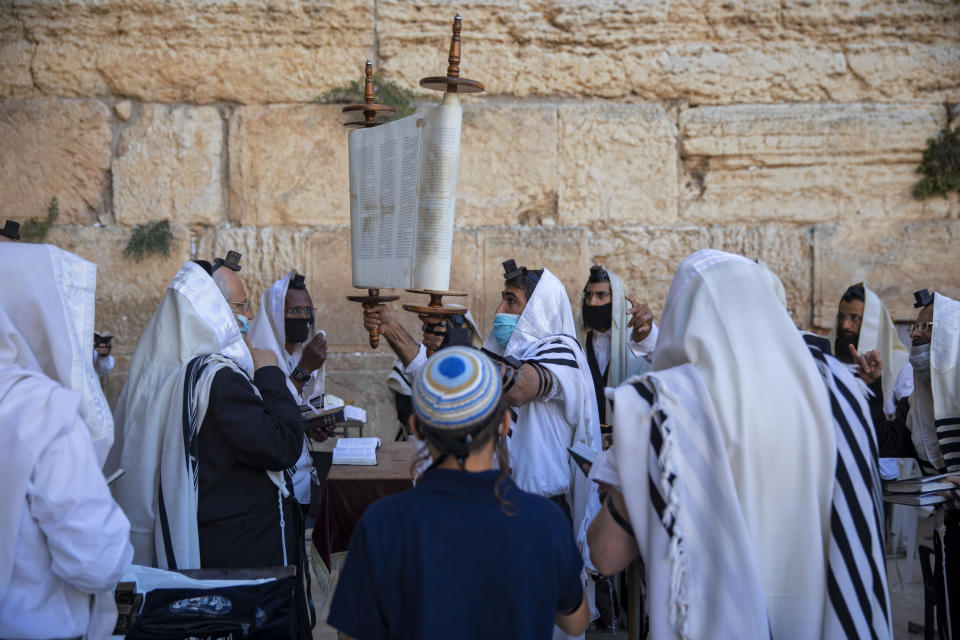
[(841, 348), (598, 318), (297, 329)]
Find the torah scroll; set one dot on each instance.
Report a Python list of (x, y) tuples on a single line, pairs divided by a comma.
[(403, 187)]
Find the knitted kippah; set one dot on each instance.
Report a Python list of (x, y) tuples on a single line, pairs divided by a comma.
[(458, 388)]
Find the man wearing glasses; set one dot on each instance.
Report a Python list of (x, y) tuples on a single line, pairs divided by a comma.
[(927, 427)]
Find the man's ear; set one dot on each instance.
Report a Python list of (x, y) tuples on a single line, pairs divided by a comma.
[(504, 425), (412, 422)]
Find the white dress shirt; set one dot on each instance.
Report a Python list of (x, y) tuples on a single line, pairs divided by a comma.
[(102, 364)]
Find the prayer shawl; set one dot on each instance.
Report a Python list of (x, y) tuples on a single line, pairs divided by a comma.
[(267, 331), (748, 469), (934, 417), (191, 336), (47, 380), (623, 363), (877, 331), (60, 316), (544, 429)]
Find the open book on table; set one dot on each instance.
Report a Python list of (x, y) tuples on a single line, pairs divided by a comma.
[(357, 451)]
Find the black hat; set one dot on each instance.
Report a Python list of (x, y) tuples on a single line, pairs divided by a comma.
[(297, 282), (232, 261), (11, 230), (923, 298), (598, 274)]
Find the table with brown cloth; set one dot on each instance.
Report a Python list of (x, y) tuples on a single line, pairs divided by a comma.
[(349, 489)]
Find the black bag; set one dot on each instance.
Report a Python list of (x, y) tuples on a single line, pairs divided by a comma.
[(228, 613)]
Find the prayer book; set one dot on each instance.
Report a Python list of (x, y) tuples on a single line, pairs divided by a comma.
[(403, 187), (582, 454), (922, 484), (346, 414), (357, 451), (914, 499)]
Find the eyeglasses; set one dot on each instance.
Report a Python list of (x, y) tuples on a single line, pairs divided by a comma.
[(241, 306), (305, 312), (923, 327), (854, 318), (599, 295)]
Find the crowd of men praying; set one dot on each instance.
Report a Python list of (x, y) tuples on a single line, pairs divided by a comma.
[(734, 461)]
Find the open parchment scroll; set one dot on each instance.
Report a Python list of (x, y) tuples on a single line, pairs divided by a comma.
[(403, 187)]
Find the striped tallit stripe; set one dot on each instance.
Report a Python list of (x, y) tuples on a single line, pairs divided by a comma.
[(856, 576), (656, 444)]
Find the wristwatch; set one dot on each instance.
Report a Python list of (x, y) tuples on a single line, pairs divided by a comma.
[(299, 375)]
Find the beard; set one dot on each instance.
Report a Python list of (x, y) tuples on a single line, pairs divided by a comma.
[(841, 347)]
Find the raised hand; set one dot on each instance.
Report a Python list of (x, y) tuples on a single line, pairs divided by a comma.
[(869, 364), (641, 320), (263, 358), (314, 354)]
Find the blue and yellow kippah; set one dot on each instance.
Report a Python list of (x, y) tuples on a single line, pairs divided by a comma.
[(458, 388)]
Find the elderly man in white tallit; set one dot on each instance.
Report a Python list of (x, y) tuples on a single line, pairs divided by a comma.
[(744, 464), (64, 542), (927, 426), (205, 429)]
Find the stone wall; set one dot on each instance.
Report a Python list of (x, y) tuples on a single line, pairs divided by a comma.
[(629, 133)]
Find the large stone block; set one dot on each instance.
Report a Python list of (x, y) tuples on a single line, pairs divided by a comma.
[(15, 52), (805, 162), (565, 251), (618, 164), (892, 259), (54, 148), (508, 165), (128, 291), (250, 52), (756, 51), (170, 165), (359, 378), (289, 165), (646, 258)]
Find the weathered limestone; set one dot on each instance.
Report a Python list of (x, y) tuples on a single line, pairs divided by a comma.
[(169, 165), (54, 148), (128, 291), (893, 259), (805, 162), (757, 51), (619, 164), (508, 164), (647, 257), (154, 50), (288, 165)]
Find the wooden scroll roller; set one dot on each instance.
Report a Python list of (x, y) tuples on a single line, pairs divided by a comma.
[(436, 306), (370, 110), (369, 107), (452, 82)]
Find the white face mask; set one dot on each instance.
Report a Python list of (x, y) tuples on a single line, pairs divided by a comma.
[(920, 357)]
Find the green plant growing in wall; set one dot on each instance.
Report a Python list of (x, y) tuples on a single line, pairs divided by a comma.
[(36, 229), (940, 166), (153, 237), (388, 92)]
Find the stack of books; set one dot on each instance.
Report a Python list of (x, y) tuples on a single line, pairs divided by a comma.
[(919, 492)]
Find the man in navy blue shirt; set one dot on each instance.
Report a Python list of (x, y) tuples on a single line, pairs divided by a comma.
[(465, 553)]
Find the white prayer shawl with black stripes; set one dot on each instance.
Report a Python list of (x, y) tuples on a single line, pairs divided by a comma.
[(749, 471), (934, 417), (545, 428)]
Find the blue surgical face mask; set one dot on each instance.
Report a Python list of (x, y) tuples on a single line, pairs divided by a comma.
[(244, 324), (920, 357), (503, 326)]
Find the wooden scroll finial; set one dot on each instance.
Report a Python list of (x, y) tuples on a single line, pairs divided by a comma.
[(452, 82), (436, 307), (369, 107), (373, 297)]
